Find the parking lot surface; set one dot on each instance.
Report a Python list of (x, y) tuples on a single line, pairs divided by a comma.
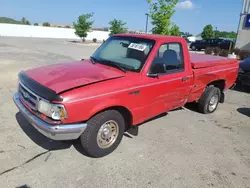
[(179, 149)]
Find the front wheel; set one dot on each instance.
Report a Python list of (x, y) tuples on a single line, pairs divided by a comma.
[(193, 48), (103, 133), (209, 100)]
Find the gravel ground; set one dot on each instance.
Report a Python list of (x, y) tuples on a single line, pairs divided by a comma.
[(179, 149)]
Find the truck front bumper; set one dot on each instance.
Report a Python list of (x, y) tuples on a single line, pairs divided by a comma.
[(54, 132)]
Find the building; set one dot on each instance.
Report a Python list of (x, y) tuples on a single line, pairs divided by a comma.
[(57, 25), (138, 32), (243, 34)]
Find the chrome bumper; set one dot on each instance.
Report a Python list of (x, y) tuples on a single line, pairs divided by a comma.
[(54, 132)]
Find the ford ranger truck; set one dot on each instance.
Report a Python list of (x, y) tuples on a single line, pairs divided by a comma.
[(129, 79)]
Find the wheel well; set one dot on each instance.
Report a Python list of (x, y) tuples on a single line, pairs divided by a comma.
[(125, 113), (221, 84)]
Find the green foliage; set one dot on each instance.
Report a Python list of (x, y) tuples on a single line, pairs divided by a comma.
[(46, 24), (9, 20), (186, 34), (175, 30), (35, 24), (24, 21), (161, 13), (225, 34), (207, 32), (83, 25), (117, 26)]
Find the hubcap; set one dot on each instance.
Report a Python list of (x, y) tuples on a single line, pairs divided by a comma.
[(213, 102), (107, 134)]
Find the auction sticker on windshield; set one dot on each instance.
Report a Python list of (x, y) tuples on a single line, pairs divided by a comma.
[(139, 47)]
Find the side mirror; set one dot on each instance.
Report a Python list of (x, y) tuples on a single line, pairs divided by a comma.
[(156, 69), (152, 75)]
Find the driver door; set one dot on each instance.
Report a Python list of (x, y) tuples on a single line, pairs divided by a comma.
[(171, 88)]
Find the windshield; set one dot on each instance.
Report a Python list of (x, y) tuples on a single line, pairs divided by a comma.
[(129, 53)]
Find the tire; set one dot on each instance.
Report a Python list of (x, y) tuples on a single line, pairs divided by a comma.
[(211, 94), (193, 48), (89, 139)]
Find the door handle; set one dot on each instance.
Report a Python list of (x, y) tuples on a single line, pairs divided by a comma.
[(184, 79)]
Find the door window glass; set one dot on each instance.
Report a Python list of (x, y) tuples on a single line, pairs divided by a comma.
[(169, 59)]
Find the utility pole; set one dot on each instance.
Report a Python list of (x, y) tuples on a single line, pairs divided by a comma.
[(146, 22)]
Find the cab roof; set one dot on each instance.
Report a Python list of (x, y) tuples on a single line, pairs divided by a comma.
[(152, 36)]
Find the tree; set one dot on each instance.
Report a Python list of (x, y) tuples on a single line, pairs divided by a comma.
[(207, 32), (83, 25), (46, 24), (35, 24), (225, 34), (186, 34), (161, 13), (117, 26), (25, 21), (9, 20), (175, 30)]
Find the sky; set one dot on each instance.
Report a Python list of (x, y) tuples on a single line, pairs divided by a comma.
[(191, 15)]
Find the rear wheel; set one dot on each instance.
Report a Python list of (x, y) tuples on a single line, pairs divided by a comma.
[(209, 100), (103, 133), (193, 48)]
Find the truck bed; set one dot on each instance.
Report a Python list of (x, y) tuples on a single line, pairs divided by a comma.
[(209, 68), (202, 60)]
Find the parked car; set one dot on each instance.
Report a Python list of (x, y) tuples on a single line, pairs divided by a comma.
[(203, 44), (129, 79), (187, 40), (243, 79)]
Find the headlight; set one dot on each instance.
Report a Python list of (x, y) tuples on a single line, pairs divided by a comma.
[(55, 111)]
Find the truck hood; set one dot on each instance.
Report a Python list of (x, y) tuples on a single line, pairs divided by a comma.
[(65, 76)]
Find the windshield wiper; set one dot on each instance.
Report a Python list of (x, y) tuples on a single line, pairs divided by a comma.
[(115, 65), (93, 60)]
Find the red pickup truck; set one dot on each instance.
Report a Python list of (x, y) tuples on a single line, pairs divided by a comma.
[(129, 79)]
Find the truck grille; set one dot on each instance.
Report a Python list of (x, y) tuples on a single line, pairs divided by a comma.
[(28, 97)]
